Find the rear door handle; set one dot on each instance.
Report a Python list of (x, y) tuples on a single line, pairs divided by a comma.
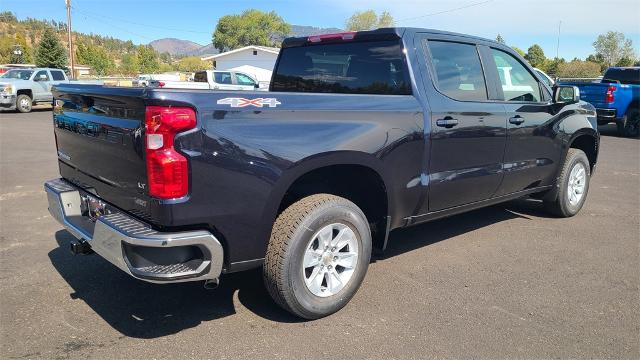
[(516, 120), (448, 122)]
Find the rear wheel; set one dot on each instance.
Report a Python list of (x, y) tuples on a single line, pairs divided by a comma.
[(630, 124), (317, 256), (23, 103), (573, 185)]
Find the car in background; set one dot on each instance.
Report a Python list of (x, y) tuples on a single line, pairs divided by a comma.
[(144, 79), (544, 77), (21, 88), (616, 98), (214, 80)]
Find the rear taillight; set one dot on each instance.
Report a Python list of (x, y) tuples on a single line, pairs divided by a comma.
[(609, 98), (337, 36), (160, 84), (167, 170)]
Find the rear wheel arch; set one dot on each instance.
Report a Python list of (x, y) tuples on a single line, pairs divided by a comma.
[(361, 182)]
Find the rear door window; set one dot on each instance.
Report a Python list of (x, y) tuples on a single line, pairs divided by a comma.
[(57, 75), (458, 70), (222, 77), (366, 67)]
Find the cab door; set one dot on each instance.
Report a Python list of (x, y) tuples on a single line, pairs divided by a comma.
[(532, 152), (224, 81), (245, 82), (42, 86), (468, 129)]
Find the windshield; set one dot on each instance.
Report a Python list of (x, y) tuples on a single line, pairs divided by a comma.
[(18, 74), (622, 75)]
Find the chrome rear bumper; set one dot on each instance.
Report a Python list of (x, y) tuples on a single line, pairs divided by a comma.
[(133, 246)]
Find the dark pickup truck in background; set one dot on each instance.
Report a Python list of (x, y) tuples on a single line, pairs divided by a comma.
[(616, 98), (361, 133)]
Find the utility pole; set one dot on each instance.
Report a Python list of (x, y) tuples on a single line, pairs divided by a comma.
[(557, 46), (68, 4)]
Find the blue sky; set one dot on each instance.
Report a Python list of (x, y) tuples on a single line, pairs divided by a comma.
[(520, 22)]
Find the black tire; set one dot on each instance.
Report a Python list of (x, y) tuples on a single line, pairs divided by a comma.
[(630, 124), (24, 103), (292, 233), (562, 206)]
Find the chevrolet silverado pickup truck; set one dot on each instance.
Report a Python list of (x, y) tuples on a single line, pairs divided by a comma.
[(20, 89), (616, 98), (361, 133)]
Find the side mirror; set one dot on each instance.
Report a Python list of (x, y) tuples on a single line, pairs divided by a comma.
[(41, 77), (256, 85), (566, 94)]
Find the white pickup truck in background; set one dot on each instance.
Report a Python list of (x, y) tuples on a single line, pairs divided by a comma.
[(20, 89), (214, 80)]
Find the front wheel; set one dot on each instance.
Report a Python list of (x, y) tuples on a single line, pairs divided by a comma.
[(317, 256), (573, 185), (23, 103)]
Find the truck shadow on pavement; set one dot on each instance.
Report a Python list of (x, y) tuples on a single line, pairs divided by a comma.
[(143, 310)]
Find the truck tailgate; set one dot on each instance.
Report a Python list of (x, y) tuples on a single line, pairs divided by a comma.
[(593, 93), (100, 141)]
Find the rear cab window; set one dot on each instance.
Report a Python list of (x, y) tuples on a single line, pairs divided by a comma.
[(350, 67), (625, 76)]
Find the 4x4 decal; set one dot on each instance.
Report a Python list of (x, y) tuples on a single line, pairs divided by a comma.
[(235, 102)]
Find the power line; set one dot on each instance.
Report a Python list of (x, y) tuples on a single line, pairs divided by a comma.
[(447, 11), (140, 24)]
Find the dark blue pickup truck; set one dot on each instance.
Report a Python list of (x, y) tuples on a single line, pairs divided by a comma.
[(361, 133), (616, 99)]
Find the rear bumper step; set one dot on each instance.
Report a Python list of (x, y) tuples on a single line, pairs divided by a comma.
[(133, 246)]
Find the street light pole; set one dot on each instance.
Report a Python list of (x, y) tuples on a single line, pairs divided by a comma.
[(68, 4)]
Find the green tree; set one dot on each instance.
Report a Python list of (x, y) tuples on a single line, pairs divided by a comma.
[(252, 27), (192, 64), (535, 56), (612, 47), (50, 52), (625, 61), (500, 39), (551, 67), (368, 20), (578, 69), (147, 59), (519, 51), (129, 65), (598, 60), (164, 67), (95, 57)]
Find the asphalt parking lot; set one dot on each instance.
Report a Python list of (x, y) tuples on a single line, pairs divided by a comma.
[(503, 282)]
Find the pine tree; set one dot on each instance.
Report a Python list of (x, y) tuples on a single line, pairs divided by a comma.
[(50, 52)]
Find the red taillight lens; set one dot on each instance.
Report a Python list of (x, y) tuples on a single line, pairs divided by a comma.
[(609, 97), (167, 169), (337, 36)]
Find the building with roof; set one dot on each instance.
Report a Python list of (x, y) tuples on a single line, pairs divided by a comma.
[(257, 61)]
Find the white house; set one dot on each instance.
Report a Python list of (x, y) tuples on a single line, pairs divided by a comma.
[(257, 61)]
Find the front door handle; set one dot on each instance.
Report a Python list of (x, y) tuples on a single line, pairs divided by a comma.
[(516, 120), (448, 122)]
